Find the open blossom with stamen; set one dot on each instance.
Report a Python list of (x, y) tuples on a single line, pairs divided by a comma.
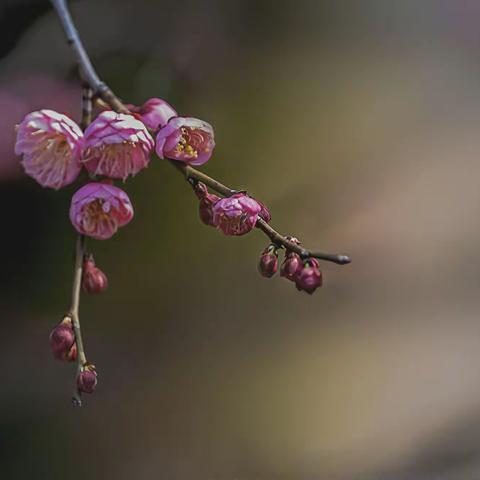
[(98, 210), (187, 140), (50, 144), (154, 113), (236, 215), (116, 145)]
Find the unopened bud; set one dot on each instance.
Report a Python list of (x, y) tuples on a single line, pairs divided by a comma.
[(290, 266), (268, 264), (207, 201), (309, 277), (93, 280), (87, 379), (62, 341)]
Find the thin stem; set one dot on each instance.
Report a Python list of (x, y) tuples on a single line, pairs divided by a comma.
[(87, 69), (74, 312), (191, 174)]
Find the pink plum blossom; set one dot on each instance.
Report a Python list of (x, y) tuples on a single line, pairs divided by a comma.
[(116, 145), (50, 145), (98, 210), (236, 215), (154, 113), (187, 140)]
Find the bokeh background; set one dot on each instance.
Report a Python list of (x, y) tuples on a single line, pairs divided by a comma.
[(358, 123)]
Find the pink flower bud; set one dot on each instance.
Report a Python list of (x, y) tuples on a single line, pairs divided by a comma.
[(116, 145), (207, 200), (98, 210), (50, 144), (187, 140), (264, 212), (290, 266), (309, 277), (62, 341), (236, 215), (268, 264), (93, 280), (87, 379), (154, 113)]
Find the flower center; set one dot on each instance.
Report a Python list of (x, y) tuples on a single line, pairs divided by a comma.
[(192, 141), (96, 213)]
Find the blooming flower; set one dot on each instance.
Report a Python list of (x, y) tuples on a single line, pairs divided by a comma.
[(98, 210), (50, 144), (154, 113), (116, 145), (236, 215), (187, 140)]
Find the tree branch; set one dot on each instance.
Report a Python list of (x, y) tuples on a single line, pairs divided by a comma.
[(106, 94)]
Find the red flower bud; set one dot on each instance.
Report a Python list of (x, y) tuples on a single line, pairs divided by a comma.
[(264, 213), (93, 280), (309, 277), (268, 264), (290, 266), (207, 201), (62, 341), (87, 379)]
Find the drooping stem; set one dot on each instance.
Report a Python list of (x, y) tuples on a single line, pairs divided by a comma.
[(106, 94), (74, 312)]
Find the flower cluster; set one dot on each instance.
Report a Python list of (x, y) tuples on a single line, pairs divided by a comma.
[(116, 146)]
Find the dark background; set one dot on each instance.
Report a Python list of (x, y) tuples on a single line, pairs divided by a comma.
[(358, 124)]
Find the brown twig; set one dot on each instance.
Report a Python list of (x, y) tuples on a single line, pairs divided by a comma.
[(101, 90), (74, 313)]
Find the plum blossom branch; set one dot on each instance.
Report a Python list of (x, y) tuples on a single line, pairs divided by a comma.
[(103, 92)]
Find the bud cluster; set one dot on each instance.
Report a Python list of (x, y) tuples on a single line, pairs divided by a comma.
[(304, 273)]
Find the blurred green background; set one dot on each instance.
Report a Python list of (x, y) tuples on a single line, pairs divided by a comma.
[(357, 123)]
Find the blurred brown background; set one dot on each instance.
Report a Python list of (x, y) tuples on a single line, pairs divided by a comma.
[(358, 124)]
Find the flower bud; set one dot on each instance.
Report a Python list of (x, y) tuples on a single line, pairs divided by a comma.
[(264, 213), (268, 264), (87, 379), (290, 266), (62, 341), (309, 277), (93, 280), (154, 113)]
